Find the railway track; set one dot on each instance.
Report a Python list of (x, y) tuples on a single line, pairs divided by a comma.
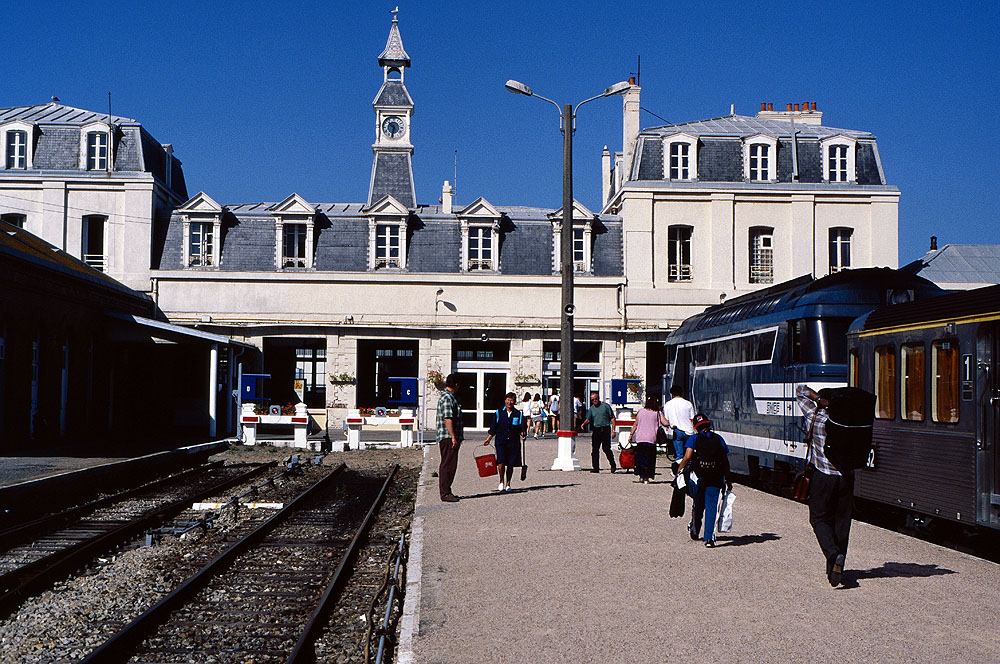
[(269, 595), (36, 554)]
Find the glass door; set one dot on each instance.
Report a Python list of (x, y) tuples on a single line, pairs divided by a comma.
[(481, 393)]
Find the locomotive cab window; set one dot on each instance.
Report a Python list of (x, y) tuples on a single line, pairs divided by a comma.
[(945, 385), (912, 385), (818, 340), (885, 382)]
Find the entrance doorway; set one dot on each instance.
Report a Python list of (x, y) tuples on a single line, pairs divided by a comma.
[(483, 368), (480, 395)]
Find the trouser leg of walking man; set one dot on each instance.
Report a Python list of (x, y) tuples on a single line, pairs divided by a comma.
[(831, 499), (449, 463), (601, 440)]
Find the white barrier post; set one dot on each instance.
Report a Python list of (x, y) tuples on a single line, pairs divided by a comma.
[(249, 421)]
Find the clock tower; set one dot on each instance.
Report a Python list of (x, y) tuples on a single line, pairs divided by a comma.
[(392, 166)]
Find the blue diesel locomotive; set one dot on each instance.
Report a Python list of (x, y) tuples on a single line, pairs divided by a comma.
[(741, 361)]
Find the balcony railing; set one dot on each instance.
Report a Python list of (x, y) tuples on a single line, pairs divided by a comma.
[(97, 261)]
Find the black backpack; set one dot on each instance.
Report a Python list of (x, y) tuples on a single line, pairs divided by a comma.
[(710, 459), (850, 416)]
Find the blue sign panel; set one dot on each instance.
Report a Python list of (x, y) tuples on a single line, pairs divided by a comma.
[(619, 391), (407, 390), (251, 386)]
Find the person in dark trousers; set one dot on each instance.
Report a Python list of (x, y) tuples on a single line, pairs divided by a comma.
[(643, 434), (708, 456), (449, 437), (509, 430), (600, 416), (831, 492)]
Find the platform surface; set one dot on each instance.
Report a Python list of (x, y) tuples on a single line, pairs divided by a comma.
[(583, 567)]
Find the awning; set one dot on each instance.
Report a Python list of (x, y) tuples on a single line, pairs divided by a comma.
[(138, 328)]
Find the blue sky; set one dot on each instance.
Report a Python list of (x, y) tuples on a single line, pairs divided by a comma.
[(260, 100)]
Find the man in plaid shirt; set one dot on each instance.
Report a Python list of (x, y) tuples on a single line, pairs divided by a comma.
[(449, 437), (831, 493)]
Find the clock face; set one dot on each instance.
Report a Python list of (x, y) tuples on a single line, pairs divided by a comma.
[(393, 126)]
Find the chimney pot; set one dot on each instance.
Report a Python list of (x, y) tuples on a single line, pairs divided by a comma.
[(796, 107), (788, 107), (770, 107), (933, 242), (763, 106), (631, 80), (814, 106)]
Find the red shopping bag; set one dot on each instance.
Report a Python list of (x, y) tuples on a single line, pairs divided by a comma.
[(487, 462)]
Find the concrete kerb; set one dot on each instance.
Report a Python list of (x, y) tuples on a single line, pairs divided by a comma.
[(409, 622)]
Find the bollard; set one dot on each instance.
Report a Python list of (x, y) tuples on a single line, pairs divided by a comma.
[(406, 431), (249, 422), (300, 422), (354, 432)]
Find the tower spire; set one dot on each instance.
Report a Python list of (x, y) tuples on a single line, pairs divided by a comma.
[(394, 55)]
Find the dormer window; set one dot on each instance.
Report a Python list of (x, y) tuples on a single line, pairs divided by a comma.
[(97, 151), (201, 245), (294, 223), (480, 248), (293, 245), (682, 157), (759, 158), (838, 159), (387, 234), (17, 149), (583, 239), (202, 231), (480, 226), (387, 246), (837, 163), (17, 140)]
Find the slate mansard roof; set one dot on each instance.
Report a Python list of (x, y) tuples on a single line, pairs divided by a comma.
[(57, 142), (720, 150), (433, 245)]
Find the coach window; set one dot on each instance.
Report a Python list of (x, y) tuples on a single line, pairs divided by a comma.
[(885, 382), (945, 387), (912, 397), (853, 370)]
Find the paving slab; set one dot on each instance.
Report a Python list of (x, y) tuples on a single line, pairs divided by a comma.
[(583, 567)]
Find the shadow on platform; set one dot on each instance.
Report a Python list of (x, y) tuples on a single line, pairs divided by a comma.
[(891, 570), (743, 540), (497, 494)]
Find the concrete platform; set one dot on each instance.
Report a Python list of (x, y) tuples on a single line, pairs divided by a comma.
[(582, 567)]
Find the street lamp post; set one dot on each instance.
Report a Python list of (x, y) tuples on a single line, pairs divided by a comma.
[(567, 412)]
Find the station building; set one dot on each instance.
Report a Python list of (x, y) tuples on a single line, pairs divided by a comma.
[(343, 296)]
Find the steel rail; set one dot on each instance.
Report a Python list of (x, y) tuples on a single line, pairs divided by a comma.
[(304, 650), (384, 636), (21, 583), (14, 535), (119, 647)]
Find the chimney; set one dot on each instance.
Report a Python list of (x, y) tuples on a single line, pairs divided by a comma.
[(605, 175), (803, 112), (933, 242), (630, 126), (770, 106), (788, 107), (763, 106), (446, 193)]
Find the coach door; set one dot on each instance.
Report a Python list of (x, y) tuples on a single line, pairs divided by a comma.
[(989, 405)]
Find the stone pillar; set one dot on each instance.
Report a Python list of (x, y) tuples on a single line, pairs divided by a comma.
[(213, 393)]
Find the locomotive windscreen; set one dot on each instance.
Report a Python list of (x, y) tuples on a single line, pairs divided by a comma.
[(819, 340)]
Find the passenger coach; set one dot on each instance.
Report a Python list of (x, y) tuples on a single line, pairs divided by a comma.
[(933, 369), (740, 361)]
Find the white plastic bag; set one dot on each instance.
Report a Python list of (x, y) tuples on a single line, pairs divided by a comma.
[(726, 513)]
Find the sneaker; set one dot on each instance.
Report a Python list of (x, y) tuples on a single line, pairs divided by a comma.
[(710, 544), (507, 489), (500, 486), (837, 571), (450, 498), (613, 470)]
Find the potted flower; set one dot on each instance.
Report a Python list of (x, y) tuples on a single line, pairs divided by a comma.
[(635, 387), (526, 379), (342, 378), (435, 378)]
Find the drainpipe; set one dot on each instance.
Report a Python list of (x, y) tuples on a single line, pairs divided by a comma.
[(623, 321), (213, 396)]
